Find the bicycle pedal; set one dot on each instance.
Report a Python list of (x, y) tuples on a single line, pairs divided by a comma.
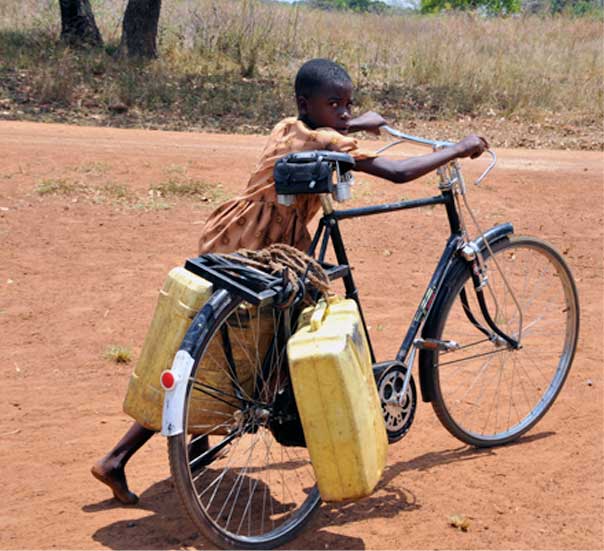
[(435, 344)]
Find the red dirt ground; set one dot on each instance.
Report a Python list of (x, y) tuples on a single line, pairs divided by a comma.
[(80, 272)]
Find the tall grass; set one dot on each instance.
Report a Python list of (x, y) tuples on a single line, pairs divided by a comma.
[(226, 59)]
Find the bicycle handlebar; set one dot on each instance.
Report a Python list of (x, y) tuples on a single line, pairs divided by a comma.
[(489, 168), (414, 139), (435, 144)]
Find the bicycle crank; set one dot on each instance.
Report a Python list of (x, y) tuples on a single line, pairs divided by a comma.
[(398, 403)]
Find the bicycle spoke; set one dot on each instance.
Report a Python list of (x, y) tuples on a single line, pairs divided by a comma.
[(529, 403), (215, 394), (239, 482), (217, 481), (219, 365), (468, 358)]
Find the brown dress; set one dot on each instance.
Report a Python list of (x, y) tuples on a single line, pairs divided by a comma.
[(254, 219)]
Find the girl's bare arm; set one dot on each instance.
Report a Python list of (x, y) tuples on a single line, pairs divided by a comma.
[(401, 171), (369, 122)]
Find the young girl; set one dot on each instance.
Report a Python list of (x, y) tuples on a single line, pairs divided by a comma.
[(324, 95)]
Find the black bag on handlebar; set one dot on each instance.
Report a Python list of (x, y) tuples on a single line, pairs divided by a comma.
[(293, 178), (309, 171)]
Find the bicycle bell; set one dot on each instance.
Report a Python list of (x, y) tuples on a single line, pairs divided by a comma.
[(343, 188)]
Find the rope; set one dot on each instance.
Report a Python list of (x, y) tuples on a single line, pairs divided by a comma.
[(279, 258)]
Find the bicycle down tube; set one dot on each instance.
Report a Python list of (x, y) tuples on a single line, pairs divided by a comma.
[(328, 229)]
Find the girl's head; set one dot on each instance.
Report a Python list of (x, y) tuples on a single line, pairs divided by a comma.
[(324, 95)]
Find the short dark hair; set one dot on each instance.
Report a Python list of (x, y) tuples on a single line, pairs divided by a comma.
[(314, 74)]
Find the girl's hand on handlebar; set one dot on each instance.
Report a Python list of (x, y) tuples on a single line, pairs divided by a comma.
[(471, 146), (369, 122)]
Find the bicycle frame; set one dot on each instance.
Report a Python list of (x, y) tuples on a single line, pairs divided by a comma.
[(329, 230), (458, 249)]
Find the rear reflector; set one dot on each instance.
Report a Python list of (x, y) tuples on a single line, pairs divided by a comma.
[(167, 380)]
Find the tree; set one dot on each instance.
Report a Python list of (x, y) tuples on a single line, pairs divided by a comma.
[(139, 29), (575, 7), (352, 5), (491, 6), (78, 27)]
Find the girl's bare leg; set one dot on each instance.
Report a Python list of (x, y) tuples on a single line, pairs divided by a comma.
[(110, 469)]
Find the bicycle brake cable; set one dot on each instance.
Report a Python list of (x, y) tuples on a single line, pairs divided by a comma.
[(479, 256)]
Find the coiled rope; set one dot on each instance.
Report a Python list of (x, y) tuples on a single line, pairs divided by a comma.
[(279, 259)]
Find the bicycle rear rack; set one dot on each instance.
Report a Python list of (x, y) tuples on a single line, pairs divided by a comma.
[(254, 286)]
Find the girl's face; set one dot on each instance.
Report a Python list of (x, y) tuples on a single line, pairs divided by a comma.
[(329, 107)]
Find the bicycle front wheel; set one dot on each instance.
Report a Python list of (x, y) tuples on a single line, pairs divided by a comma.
[(486, 392), (240, 467)]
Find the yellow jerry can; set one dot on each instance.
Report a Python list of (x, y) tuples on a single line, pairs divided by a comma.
[(250, 332), (181, 297), (332, 377)]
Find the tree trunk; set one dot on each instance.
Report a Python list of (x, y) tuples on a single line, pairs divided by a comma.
[(139, 30), (78, 26)]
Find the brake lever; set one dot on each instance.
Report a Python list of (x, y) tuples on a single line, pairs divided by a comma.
[(489, 168)]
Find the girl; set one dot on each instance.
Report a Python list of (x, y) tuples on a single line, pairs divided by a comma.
[(324, 96)]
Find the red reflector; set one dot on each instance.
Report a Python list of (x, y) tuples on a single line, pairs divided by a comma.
[(167, 380)]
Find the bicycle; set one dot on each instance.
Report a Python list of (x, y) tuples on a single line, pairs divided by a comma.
[(498, 327)]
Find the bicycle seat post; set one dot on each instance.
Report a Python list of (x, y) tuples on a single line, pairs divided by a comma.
[(326, 203)]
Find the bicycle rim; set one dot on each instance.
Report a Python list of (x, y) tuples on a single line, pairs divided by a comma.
[(486, 393), (255, 493)]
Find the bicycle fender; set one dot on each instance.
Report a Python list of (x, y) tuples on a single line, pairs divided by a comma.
[(174, 399), (182, 365), (496, 233), (426, 359)]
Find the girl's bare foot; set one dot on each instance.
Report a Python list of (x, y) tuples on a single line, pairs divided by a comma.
[(116, 480)]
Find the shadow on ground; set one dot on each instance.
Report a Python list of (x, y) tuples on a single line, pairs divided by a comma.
[(168, 525)]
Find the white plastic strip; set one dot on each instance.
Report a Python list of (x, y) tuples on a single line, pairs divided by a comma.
[(174, 400)]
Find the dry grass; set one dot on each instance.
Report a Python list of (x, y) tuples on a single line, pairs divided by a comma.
[(118, 354), (59, 186), (93, 168), (99, 193), (176, 187), (188, 188), (229, 65)]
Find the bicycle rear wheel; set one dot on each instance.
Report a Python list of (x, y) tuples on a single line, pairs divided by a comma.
[(247, 490), (486, 393)]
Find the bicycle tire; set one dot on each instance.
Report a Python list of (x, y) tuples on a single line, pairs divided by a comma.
[(254, 493), (468, 387)]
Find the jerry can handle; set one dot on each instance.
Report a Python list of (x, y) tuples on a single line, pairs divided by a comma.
[(316, 320)]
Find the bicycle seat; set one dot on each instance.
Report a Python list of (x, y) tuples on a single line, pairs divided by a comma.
[(309, 171)]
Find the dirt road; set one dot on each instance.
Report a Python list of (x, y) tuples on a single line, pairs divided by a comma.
[(84, 248)]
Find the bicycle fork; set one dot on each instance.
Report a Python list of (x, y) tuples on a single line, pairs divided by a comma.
[(480, 281)]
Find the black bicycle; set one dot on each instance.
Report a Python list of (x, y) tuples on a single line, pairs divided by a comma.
[(494, 334)]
